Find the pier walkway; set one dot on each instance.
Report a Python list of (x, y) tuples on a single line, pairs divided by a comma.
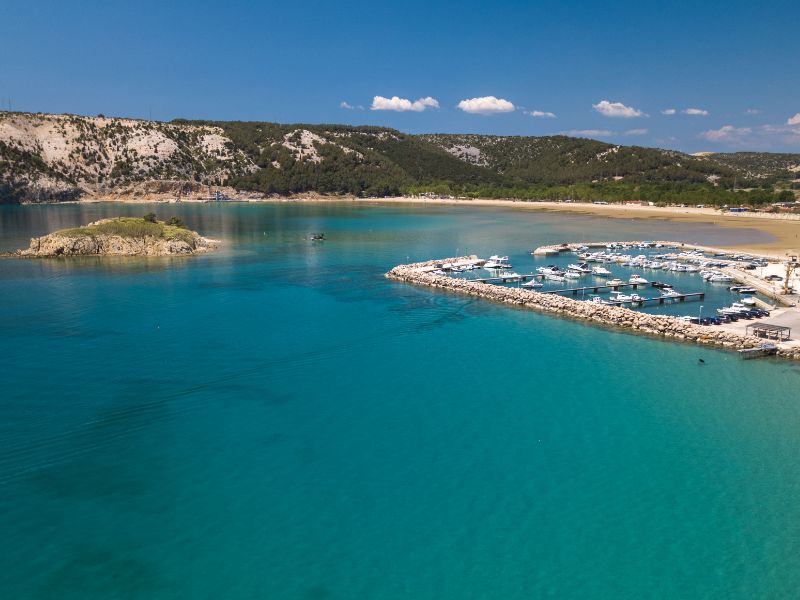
[(659, 299), (594, 289), (508, 279)]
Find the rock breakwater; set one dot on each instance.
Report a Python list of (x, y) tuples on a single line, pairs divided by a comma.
[(667, 327)]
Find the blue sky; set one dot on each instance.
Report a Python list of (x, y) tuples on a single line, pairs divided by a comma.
[(605, 69)]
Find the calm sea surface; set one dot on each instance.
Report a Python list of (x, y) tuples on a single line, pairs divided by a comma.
[(278, 421)]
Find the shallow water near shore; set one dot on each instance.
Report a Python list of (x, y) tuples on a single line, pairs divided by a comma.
[(277, 420)]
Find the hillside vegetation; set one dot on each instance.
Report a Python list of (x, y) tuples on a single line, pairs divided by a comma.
[(63, 157)]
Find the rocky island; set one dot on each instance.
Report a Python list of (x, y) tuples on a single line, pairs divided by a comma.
[(121, 236)]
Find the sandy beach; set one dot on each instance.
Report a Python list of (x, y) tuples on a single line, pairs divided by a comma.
[(784, 228)]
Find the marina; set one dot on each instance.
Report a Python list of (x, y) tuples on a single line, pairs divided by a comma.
[(728, 295)]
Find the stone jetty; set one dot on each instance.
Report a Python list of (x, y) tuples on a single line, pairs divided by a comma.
[(667, 327)]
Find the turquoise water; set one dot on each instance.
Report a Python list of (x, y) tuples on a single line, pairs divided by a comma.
[(277, 420)]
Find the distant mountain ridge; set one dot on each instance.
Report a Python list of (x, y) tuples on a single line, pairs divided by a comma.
[(62, 157)]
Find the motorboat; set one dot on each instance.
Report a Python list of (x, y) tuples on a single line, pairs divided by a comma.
[(720, 278), (532, 284), (660, 285), (597, 300), (581, 268), (615, 282), (549, 270), (620, 297), (599, 271), (637, 279), (573, 275), (669, 293), (749, 301), (496, 262), (637, 298), (554, 277), (742, 289)]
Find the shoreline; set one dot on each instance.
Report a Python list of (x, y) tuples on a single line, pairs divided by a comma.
[(784, 228)]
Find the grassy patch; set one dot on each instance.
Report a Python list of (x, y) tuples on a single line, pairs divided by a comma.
[(132, 227)]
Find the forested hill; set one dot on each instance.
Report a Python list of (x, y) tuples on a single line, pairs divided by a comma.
[(51, 157)]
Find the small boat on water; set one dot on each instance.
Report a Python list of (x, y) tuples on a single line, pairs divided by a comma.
[(599, 271), (532, 284), (572, 275), (720, 278), (549, 269), (743, 289), (637, 279), (749, 301), (660, 285), (497, 262), (317, 237), (620, 297), (554, 277), (581, 268), (598, 300), (615, 282), (669, 293), (637, 298)]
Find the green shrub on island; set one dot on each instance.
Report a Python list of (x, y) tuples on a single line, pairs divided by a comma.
[(132, 227)]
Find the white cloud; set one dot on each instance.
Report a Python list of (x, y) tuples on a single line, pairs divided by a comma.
[(542, 114), (486, 105), (403, 104), (697, 112), (795, 120), (587, 132), (726, 134), (617, 109), (782, 134), (636, 132), (344, 104), (752, 111), (668, 111)]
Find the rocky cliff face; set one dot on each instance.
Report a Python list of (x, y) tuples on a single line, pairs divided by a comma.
[(65, 157)]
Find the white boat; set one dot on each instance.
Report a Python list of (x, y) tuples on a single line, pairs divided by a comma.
[(637, 298), (581, 268), (600, 271), (554, 277), (720, 278), (748, 301), (669, 293), (620, 297), (637, 279), (615, 282), (597, 300), (510, 275), (549, 270), (532, 284), (572, 275), (496, 262)]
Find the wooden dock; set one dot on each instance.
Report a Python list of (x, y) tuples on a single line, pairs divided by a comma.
[(509, 279), (594, 289), (759, 351), (659, 299)]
